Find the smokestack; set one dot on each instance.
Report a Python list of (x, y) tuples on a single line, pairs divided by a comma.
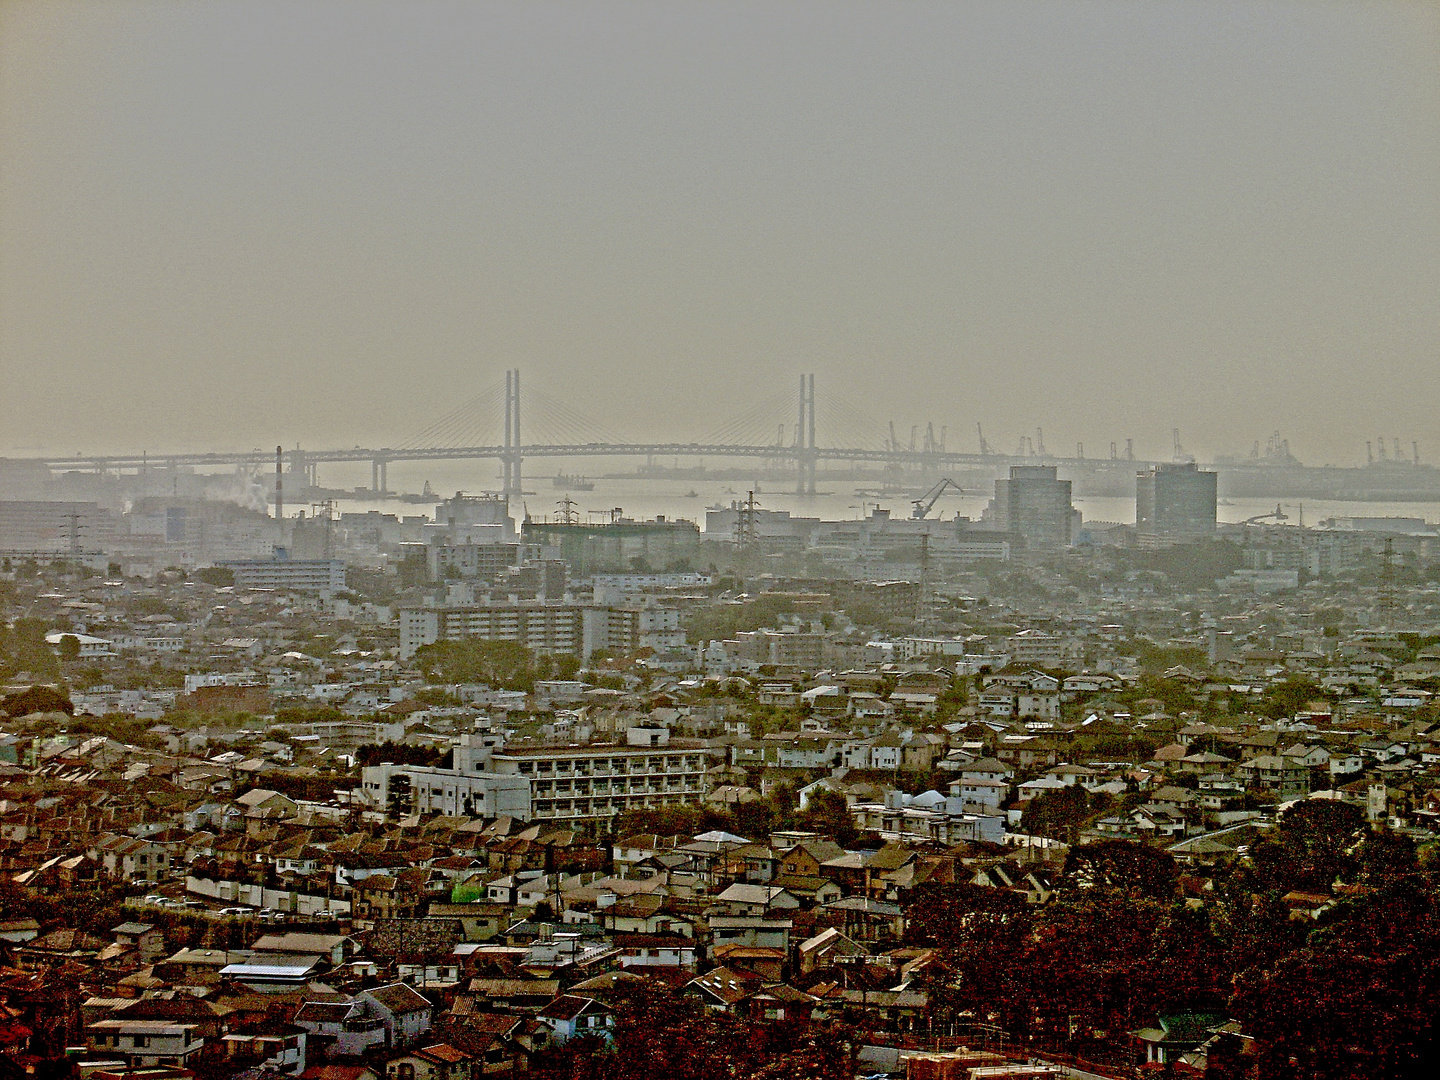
[(280, 492)]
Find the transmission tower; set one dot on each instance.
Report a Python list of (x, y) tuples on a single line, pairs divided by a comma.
[(922, 594), (75, 529), (745, 530), (1387, 582)]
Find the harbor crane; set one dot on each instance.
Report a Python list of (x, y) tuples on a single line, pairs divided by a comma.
[(926, 502), (1277, 515)]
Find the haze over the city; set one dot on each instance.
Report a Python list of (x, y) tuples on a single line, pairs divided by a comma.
[(236, 224)]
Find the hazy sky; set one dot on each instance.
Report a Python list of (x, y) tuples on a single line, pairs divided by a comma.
[(232, 224)]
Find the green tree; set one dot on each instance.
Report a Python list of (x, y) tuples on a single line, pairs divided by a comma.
[(1310, 847), (1287, 698), (36, 699), (506, 664), (29, 651), (827, 812), (219, 576), (401, 797), (1127, 866), (1361, 998), (1056, 814)]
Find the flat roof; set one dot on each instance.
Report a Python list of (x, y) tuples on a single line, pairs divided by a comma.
[(592, 751)]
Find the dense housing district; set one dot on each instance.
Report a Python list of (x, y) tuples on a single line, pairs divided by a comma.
[(375, 797)]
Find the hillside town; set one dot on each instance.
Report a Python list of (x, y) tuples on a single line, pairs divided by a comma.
[(453, 796)]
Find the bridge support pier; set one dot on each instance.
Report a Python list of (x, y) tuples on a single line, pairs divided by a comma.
[(380, 475)]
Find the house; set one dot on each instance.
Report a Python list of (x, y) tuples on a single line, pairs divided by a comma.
[(656, 950), (824, 948), (385, 897), (274, 974), (335, 948), (496, 1040), (1307, 906), (571, 1016), (809, 890), (18, 931), (750, 930), (146, 1042), (743, 899), (129, 858), (341, 1028), (272, 1046), (722, 989), (980, 792), (806, 858), (264, 803), (1284, 776), (1174, 1036), (403, 1010), (147, 941), (440, 1061)]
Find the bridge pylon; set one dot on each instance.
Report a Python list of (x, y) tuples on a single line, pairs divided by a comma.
[(510, 456), (805, 455)]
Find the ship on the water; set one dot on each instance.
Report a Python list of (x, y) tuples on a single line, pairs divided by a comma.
[(567, 482)]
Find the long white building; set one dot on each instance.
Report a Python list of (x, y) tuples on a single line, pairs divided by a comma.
[(599, 783), (466, 789), (570, 784), (546, 628)]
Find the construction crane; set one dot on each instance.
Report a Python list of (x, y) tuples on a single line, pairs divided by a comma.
[(926, 502), (1179, 452)]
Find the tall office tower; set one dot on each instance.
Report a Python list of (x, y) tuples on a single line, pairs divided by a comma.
[(1174, 502), (1034, 504)]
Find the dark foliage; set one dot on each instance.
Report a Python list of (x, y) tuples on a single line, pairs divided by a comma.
[(35, 700)]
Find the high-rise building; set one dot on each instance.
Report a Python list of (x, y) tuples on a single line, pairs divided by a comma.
[(1035, 504), (1174, 502)]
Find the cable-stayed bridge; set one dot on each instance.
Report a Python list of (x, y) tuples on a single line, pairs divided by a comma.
[(492, 426)]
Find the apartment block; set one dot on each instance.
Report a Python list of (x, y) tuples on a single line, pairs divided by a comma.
[(599, 783), (324, 576)]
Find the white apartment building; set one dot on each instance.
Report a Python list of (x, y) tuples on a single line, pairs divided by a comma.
[(598, 783), (546, 628), (591, 783), (1037, 648), (467, 789), (324, 576), (450, 792)]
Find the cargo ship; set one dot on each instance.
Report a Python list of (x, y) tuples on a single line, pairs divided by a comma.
[(573, 483)]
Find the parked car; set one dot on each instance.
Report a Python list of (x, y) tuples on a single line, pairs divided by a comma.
[(237, 912)]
